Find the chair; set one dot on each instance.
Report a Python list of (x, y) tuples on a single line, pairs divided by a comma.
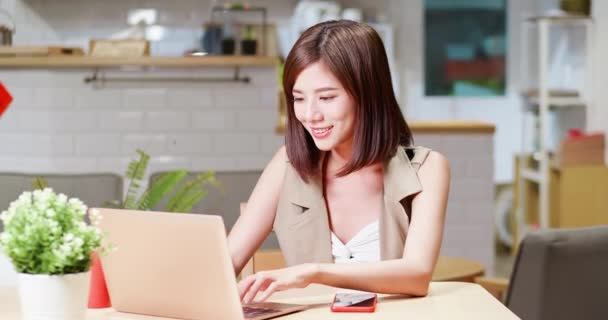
[(558, 274), (94, 189)]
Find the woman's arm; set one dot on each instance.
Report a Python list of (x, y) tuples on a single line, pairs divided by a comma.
[(409, 275), (254, 225)]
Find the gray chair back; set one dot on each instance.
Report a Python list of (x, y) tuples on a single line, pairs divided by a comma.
[(236, 187), (94, 189), (561, 274)]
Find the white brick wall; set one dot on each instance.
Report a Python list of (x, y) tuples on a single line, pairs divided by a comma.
[(145, 98), (152, 143), (214, 120), (200, 126), (119, 121), (188, 98)]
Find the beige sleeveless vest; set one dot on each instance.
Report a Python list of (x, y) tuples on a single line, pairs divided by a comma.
[(301, 223)]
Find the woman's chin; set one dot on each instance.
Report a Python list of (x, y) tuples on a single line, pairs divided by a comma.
[(323, 145)]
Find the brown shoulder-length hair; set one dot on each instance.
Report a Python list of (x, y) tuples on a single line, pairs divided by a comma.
[(355, 55)]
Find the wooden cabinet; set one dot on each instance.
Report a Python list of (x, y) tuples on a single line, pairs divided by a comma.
[(578, 197), (581, 196)]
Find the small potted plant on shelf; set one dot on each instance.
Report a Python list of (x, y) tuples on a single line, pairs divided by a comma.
[(50, 245), (228, 45), (249, 44)]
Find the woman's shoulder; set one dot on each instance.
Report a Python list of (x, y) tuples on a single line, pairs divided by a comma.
[(282, 154), (278, 163), (435, 165), (426, 157)]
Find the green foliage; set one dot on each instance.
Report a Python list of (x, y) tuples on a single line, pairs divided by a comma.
[(248, 33), (45, 233), (39, 183), (187, 192), (135, 173), (192, 192), (160, 188)]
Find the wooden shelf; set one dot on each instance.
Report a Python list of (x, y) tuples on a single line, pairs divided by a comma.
[(560, 102), (560, 18), (103, 62), (451, 127), (556, 98), (473, 127), (531, 174)]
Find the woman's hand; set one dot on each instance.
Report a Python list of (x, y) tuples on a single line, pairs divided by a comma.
[(267, 282)]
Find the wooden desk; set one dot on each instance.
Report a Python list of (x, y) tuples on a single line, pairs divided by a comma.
[(446, 300), (457, 269)]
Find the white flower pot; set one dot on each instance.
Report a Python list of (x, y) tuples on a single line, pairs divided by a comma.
[(54, 297)]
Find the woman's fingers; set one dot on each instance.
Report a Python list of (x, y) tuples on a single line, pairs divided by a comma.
[(245, 284), (269, 291), (261, 280)]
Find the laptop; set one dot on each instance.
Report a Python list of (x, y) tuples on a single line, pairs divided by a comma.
[(174, 265)]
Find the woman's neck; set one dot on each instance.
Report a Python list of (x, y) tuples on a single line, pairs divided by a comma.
[(337, 158), (341, 154)]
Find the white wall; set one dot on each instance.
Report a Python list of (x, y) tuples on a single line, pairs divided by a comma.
[(52, 21), (57, 123), (598, 111)]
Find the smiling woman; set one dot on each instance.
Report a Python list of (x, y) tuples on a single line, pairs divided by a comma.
[(342, 68), (323, 107), (353, 202)]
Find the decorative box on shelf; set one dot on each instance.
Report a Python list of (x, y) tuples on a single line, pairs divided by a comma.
[(119, 48)]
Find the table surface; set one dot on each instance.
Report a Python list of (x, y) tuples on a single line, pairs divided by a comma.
[(446, 300), (457, 269)]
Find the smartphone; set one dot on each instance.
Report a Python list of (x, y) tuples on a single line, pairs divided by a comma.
[(354, 302)]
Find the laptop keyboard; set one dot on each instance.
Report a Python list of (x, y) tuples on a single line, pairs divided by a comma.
[(252, 312)]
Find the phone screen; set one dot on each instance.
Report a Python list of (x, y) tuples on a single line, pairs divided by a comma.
[(354, 299)]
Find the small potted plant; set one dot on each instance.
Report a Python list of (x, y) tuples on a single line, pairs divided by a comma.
[(249, 44), (228, 45), (50, 246)]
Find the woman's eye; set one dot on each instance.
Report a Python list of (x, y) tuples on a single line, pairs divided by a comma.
[(298, 99), (327, 98)]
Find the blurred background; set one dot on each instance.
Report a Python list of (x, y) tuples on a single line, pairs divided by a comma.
[(509, 90)]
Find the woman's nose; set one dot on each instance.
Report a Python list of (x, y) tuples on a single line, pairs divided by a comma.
[(313, 113)]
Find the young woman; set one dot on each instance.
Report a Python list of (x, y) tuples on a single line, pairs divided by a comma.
[(348, 186)]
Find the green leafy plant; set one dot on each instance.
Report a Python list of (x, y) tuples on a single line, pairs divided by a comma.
[(192, 192), (187, 192), (248, 33), (45, 233), (135, 173), (39, 183)]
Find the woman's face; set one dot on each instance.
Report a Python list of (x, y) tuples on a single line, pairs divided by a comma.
[(324, 107)]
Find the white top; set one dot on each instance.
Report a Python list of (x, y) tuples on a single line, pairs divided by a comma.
[(363, 247)]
